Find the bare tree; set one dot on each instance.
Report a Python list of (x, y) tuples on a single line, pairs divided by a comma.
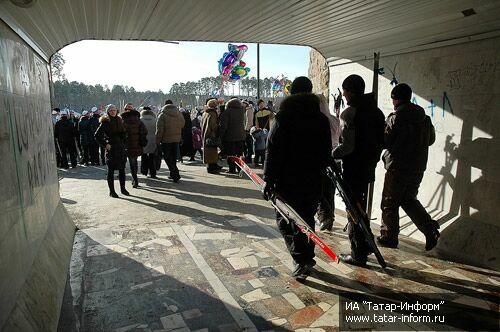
[(57, 64)]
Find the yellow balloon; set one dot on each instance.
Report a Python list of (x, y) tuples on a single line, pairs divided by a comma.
[(287, 87)]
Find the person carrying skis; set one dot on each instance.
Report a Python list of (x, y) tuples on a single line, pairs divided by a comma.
[(362, 141), (408, 135), (298, 150)]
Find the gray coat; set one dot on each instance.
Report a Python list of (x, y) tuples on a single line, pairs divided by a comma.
[(232, 122), (149, 120)]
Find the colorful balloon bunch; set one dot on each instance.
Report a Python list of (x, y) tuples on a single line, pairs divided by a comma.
[(281, 85), (230, 65)]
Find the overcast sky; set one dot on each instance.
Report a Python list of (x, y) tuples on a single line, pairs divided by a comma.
[(156, 65)]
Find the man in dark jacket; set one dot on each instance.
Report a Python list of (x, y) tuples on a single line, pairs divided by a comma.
[(86, 136), (408, 135), (232, 130), (362, 142), (298, 149), (65, 133)]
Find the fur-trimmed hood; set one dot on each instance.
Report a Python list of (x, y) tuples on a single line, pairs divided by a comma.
[(169, 109), (131, 113), (106, 118), (147, 112), (234, 103)]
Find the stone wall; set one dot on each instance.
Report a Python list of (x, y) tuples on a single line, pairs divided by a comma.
[(35, 231), (318, 72)]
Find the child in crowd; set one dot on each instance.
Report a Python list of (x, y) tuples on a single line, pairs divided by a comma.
[(259, 140), (197, 141)]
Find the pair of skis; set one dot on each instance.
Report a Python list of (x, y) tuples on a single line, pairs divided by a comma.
[(354, 209), (292, 216)]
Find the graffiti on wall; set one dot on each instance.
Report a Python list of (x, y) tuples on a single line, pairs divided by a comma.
[(472, 75), (32, 138), (26, 106), (445, 105)]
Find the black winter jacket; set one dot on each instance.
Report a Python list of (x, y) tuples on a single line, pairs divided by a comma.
[(298, 147), (85, 131), (94, 124), (65, 131), (135, 129), (408, 135), (367, 122), (112, 131), (187, 135)]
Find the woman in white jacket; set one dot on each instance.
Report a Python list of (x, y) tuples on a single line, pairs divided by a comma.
[(149, 152)]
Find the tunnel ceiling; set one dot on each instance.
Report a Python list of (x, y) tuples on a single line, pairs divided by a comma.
[(338, 29)]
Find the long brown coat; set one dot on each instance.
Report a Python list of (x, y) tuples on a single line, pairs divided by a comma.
[(135, 128), (209, 128)]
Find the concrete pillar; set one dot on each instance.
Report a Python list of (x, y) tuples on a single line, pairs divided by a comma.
[(36, 233)]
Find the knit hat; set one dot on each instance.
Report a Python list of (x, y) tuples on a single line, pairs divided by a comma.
[(111, 106), (300, 85), (402, 91), (355, 84)]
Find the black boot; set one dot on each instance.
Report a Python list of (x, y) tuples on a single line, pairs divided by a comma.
[(111, 187), (124, 191), (135, 181), (348, 259), (385, 241)]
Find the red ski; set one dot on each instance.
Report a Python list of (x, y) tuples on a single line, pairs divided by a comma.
[(285, 210)]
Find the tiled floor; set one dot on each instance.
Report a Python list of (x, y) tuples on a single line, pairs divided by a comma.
[(204, 255)]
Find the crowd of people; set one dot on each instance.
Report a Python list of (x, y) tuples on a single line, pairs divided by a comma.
[(109, 137), (295, 145)]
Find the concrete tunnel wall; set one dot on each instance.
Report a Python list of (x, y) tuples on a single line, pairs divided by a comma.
[(459, 87), (36, 234)]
